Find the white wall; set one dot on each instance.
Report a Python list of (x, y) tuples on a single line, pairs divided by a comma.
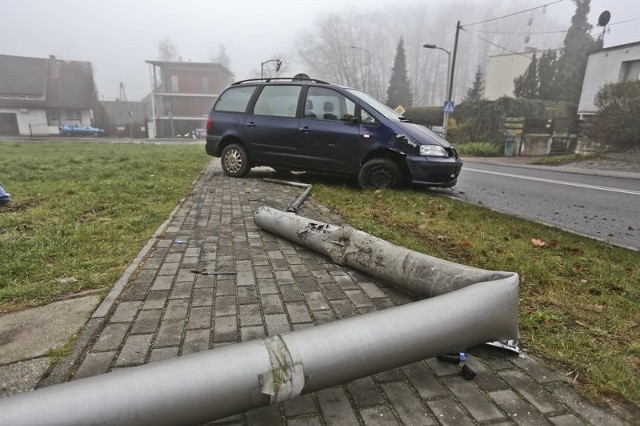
[(501, 71), (604, 67), (36, 117)]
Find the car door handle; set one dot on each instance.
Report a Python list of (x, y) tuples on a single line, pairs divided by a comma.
[(252, 124), (304, 129)]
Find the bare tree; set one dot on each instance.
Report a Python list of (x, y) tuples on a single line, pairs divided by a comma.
[(326, 51), (167, 50)]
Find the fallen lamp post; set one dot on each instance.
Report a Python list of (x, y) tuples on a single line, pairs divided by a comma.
[(466, 307)]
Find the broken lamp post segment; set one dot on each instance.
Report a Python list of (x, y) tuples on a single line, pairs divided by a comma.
[(418, 273)]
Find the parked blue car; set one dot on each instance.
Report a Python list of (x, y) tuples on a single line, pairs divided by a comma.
[(80, 130), (303, 124)]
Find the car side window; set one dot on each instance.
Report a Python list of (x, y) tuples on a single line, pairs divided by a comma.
[(279, 101), (235, 99), (327, 104), (367, 118)]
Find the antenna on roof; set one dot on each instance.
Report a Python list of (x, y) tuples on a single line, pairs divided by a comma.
[(123, 93)]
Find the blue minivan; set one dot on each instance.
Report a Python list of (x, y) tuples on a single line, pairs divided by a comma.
[(304, 124)]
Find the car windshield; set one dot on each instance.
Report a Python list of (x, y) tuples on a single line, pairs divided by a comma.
[(377, 105)]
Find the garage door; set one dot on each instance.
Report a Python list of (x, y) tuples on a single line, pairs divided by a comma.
[(8, 124)]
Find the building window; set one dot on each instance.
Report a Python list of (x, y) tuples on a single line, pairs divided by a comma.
[(631, 70), (204, 84), (174, 84), (72, 114)]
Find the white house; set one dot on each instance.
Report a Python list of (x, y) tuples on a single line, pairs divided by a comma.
[(610, 65), (38, 95)]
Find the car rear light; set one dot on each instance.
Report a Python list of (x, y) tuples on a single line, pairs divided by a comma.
[(209, 124)]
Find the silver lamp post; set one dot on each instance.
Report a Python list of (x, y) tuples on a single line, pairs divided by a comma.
[(262, 64), (445, 123), (364, 83)]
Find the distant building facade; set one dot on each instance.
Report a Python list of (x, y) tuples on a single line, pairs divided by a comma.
[(125, 119), (610, 65), (502, 70), (38, 95), (182, 95)]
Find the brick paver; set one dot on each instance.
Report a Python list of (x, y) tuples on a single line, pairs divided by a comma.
[(273, 286)]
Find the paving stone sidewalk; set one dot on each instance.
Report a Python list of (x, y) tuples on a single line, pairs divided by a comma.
[(166, 310)]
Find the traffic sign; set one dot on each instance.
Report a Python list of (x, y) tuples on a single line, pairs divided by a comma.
[(449, 106)]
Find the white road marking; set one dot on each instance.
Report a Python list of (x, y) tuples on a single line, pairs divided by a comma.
[(559, 182)]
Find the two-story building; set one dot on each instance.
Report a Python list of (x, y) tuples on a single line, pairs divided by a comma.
[(610, 65), (182, 95), (38, 95)]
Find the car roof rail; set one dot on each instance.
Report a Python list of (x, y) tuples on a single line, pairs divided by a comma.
[(297, 77)]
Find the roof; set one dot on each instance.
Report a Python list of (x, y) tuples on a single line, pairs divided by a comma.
[(618, 47), (190, 65), (22, 76), (45, 82)]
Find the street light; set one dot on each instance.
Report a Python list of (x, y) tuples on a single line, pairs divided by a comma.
[(445, 123), (364, 83), (278, 64)]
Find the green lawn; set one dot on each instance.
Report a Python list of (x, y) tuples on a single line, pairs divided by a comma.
[(81, 211), (579, 298)]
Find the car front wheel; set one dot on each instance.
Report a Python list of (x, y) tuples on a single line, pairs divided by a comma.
[(380, 173), (235, 161)]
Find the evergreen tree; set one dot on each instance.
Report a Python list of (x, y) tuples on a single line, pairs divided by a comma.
[(399, 91), (547, 69), (526, 85), (222, 57), (476, 92), (578, 43)]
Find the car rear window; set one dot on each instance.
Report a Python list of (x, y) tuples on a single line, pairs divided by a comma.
[(235, 99)]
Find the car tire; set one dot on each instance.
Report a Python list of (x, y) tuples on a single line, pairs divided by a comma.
[(380, 173), (235, 160)]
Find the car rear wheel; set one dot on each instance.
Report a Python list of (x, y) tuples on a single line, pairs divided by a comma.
[(235, 161), (380, 173)]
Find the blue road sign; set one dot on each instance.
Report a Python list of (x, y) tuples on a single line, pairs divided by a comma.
[(449, 106)]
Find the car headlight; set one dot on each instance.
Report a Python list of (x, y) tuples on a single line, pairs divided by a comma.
[(433, 151)]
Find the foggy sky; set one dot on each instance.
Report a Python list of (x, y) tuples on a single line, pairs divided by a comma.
[(117, 36)]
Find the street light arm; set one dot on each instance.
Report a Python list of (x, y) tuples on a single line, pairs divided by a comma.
[(262, 64)]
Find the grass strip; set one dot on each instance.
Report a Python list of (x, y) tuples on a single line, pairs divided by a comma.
[(579, 301), (81, 211)]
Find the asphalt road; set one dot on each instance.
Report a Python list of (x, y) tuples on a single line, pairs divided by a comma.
[(605, 208)]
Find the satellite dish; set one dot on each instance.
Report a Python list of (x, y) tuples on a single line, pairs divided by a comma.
[(604, 18)]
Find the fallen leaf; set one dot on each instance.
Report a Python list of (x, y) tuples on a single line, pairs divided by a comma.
[(594, 308), (67, 280), (538, 243)]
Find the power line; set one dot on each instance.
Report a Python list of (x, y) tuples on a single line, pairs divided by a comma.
[(521, 33), (624, 22), (494, 44), (514, 14)]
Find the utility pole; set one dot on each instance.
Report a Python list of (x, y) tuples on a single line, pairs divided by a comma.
[(453, 61)]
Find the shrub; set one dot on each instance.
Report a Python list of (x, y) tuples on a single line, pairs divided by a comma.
[(616, 122), (427, 116), (479, 149)]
